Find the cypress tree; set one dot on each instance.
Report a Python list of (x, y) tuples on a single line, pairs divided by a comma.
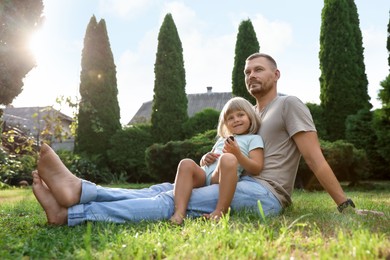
[(169, 111), (384, 92), (99, 114), (343, 80), (382, 117), (18, 20), (246, 45)]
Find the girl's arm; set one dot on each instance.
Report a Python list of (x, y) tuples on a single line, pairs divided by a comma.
[(253, 164)]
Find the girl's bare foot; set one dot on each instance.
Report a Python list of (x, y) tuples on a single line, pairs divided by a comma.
[(64, 186), (215, 215), (55, 213), (177, 218)]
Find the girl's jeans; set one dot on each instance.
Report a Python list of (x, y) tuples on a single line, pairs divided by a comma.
[(156, 202)]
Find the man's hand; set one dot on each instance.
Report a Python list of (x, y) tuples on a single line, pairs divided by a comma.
[(366, 212)]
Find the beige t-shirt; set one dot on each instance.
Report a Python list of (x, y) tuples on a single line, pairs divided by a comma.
[(281, 119)]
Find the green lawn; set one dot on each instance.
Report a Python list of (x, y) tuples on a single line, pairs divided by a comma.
[(310, 229)]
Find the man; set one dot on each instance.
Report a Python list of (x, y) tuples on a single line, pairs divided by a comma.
[(287, 130)]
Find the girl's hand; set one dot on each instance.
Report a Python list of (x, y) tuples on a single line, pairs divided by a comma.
[(231, 146), (209, 158)]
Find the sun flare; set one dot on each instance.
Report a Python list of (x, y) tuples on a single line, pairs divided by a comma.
[(37, 46)]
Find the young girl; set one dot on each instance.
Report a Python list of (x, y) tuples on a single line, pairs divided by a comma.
[(238, 148)]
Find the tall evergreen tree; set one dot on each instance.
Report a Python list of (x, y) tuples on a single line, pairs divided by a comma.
[(169, 111), (343, 79), (99, 114), (246, 45), (382, 116), (384, 92), (18, 21)]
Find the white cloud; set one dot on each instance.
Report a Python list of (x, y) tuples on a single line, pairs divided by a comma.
[(375, 59), (274, 36), (125, 8)]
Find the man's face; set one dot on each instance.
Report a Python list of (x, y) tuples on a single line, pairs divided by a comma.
[(260, 76)]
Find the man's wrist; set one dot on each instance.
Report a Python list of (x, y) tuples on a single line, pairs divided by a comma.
[(345, 205)]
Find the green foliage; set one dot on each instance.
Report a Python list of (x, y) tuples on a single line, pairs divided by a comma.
[(169, 111), (19, 20), (382, 129), (362, 133), (343, 80), (347, 162), (127, 152), (86, 167), (99, 114), (384, 92), (318, 118), (246, 44), (14, 168), (204, 120), (162, 159)]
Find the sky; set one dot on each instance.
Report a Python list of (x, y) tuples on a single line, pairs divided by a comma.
[(287, 30)]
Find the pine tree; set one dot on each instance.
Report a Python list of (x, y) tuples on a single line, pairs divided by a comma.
[(18, 20), (343, 80), (169, 111), (246, 45), (99, 114)]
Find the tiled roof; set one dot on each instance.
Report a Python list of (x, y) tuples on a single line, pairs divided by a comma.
[(196, 103)]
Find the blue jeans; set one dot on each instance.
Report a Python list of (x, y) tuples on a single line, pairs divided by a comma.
[(156, 202)]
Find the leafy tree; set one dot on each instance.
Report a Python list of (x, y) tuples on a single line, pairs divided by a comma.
[(246, 45), (99, 114), (18, 20), (169, 111), (343, 80)]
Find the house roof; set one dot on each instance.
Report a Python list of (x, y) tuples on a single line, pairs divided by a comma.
[(27, 117), (196, 103)]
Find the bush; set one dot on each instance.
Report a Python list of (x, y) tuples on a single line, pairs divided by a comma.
[(15, 168), (205, 120), (85, 168), (347, 162), (162, 159), (127, 152)]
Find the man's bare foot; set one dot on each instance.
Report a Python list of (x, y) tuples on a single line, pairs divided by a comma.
[(64, 186), (177, 218), (55, 213)]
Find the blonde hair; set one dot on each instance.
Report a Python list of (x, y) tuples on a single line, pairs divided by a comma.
[(238, 104)]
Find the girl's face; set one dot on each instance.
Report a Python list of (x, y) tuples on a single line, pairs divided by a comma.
[(238, 122)]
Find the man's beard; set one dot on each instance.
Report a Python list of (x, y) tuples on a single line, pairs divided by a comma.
[(259, 89)]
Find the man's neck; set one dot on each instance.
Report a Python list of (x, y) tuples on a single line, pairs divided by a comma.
[(262, 102)]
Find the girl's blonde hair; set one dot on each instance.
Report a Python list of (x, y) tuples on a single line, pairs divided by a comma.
[(238, 104)]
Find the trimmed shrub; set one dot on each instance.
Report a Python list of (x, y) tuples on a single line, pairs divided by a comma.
[(162, 159), (204, 120), (127, 152), (347, 162)]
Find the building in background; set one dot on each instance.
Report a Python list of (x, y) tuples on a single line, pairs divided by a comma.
[(41, 123), (196, 103)]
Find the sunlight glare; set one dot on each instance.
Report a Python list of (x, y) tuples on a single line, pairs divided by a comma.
[(37, 46)]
